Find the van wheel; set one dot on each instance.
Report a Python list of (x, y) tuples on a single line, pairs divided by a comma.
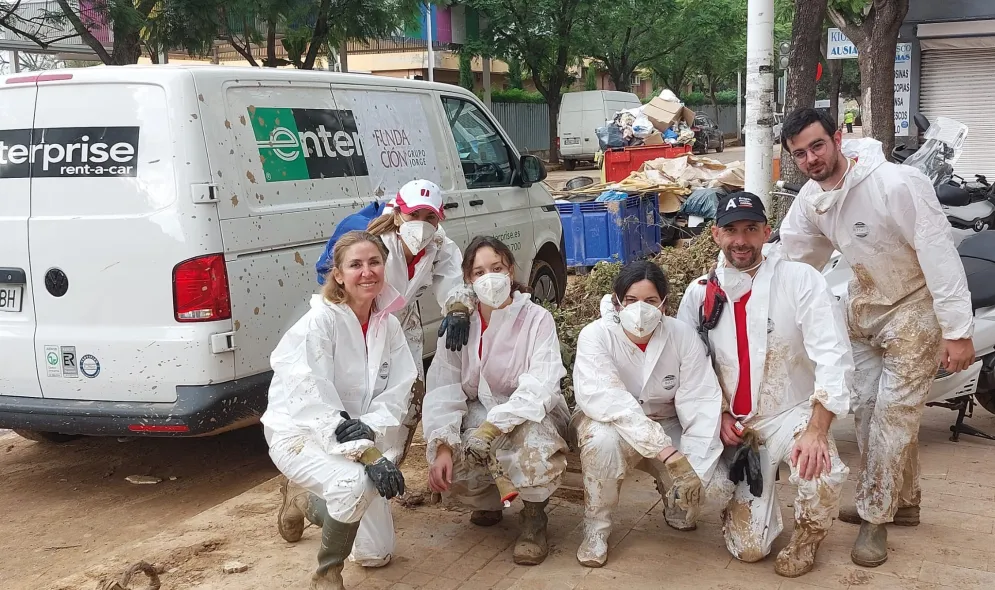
[(569, 165), (543, 283), (46, 437), (986, 399)]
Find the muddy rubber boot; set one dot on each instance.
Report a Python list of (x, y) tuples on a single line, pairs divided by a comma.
[(600, 500), (486, 517), (905, 516), (798, 558), (531, 547), (337, 539), (871, 547), (290, 520)]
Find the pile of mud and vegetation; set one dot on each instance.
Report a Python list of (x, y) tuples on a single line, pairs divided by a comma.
[(581, 305)]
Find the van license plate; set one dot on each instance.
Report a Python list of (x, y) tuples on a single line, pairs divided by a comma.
[(10, 297), (571, 141)]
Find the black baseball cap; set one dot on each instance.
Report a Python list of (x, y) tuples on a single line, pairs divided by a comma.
[(740, 206)]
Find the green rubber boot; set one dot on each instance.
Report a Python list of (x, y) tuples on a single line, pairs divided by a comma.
[(337, 539)]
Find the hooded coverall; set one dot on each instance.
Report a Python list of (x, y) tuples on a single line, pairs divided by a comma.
[(632, 404), (322, 366), (909, 290), (798, 354), (509, 375)]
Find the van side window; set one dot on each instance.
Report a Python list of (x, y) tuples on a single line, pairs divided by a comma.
[(483, 154)]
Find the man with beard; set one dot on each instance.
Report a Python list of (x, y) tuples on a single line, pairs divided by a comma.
[(781, 353), (908, 306)]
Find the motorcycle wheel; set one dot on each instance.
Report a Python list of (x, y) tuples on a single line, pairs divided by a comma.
[(986, 399)]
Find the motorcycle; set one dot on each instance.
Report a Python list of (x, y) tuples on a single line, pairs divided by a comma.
[(967, 205), (958, 391)]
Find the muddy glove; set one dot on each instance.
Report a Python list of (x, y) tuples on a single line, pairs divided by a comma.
[(387, 478), (746, 464), (478, 445), (685, 490), (349, 430), (456, 327)]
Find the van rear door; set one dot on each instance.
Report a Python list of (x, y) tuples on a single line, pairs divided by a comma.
[(17, 314)]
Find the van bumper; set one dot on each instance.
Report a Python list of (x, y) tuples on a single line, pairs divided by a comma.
[(198, 410)]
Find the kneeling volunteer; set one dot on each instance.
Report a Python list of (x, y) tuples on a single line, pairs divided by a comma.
[(783, 360), (495, 408), (647, 398), (330, 416)]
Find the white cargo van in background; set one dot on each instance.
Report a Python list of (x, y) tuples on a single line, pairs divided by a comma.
[(581, 113), (160, 225)]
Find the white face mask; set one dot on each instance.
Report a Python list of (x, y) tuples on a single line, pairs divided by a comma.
[(734, 282), (416, 235), (493, 289), (640, 318), (826, 199)]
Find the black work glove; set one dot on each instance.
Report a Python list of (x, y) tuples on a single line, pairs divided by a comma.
[(746, 465), (456, 327), (387, 478), (349, 430)]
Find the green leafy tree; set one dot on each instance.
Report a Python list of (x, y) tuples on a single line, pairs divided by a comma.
[(466, 70), (591, 79), (544, 34), (624, 36), (514, 73)]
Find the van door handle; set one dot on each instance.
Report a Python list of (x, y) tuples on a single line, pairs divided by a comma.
[(451, 205), (13, 276), (476, 202)]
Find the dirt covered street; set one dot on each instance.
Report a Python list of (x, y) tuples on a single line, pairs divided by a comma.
[(65, 506)]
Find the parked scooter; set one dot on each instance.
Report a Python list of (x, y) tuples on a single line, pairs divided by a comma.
[(968, 205), (961, 390)]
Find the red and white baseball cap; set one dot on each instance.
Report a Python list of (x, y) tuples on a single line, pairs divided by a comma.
[(420, 194)]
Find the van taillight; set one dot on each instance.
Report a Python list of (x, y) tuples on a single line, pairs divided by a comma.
[(200, 290)]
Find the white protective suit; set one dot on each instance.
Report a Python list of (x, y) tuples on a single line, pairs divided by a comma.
[(908, 291), (441, 268), (317, 373), (799, 354), (633, 404), (515, 387)]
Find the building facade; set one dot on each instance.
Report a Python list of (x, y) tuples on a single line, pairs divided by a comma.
[(953, 72)]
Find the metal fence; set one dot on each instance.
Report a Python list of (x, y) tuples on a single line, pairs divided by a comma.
[(527, 124), (723, 115)]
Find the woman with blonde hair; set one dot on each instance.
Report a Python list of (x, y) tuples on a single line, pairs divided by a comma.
[(332, 419)]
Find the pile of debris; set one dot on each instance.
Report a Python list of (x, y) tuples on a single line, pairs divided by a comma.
[(662, 121)]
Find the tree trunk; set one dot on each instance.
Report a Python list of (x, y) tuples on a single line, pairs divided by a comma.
[(344, 56), (554, 113), (127, 47), (806, 35), (271, 43), (620, 79), (835, 83), (875, 39)]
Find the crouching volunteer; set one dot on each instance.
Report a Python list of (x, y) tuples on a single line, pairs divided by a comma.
[(495, 418), (332, 419), (420, 256), (782, 357), (646, 398)]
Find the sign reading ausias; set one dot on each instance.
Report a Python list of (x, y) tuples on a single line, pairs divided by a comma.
[(59, 152)]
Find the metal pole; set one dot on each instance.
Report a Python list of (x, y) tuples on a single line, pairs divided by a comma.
[(487, 82), (739, 106), (16, 61), (759, 98), (428, 37)]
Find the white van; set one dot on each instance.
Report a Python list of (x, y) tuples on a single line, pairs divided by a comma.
[(160, 225), (581, 113)]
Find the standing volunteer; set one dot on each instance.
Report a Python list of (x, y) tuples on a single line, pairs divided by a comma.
[(908, 303), (420, 256), (496, 407), (646, 398), (782, 356), (332, 418)]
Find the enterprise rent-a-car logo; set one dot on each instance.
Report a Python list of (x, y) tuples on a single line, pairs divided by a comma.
[(58, 152), (305, 144)]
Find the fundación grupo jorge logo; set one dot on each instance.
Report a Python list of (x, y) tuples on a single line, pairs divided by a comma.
[(307, 144)]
